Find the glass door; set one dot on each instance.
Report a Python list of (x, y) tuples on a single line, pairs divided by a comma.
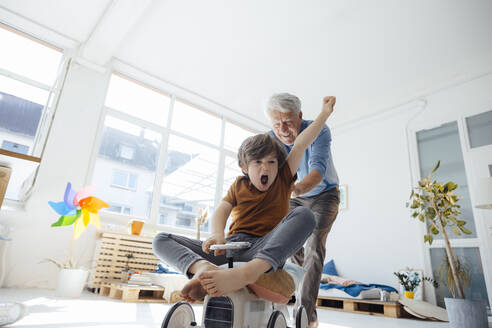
[(450, 144)]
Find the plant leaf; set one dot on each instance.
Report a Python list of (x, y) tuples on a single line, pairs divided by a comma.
[(457, 231), (436, 167), (465, 230), (58, 264)]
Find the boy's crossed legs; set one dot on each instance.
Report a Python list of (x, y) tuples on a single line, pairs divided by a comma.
[(267, 253)]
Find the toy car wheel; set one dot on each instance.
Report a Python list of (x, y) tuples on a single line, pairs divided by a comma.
[(181, 315), (301, 318), (277, 320)]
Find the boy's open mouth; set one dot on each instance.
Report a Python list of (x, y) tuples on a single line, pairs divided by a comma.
[(264, 179)]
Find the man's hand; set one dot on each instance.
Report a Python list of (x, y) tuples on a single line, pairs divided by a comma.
[(328, 104), (213, 240)]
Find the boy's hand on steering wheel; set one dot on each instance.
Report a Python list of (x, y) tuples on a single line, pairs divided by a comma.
[(213, 240)]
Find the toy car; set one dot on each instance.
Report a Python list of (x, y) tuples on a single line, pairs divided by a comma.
[(240, 309)]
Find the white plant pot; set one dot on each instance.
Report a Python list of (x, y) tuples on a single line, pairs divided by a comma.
[(71, 282)]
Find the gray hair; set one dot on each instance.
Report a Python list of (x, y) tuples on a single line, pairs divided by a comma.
[(283, 102)]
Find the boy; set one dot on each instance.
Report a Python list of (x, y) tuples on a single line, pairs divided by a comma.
[(259, 203)]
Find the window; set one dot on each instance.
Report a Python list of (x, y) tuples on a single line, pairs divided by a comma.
[(480, 129), (234, 136), (203, 125), (28, 75), (443, 143), (231, 172), (186, 174), (190, 178), (120, 209), (470, 256), (163, 219), (137, 100), (184, 221), (124, 179), (28, 58), (126, 152)]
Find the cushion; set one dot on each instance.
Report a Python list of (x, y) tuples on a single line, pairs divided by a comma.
[(329, 268), (275, 286), (325, 278)]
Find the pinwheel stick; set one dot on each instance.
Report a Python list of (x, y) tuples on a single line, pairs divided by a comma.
[(69, 258)]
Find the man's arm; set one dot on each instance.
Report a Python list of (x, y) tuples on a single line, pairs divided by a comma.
[(307, 184), (320, 155), (309, 134), (219, 220)]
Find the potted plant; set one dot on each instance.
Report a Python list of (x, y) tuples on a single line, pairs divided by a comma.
[(434, 203), (78, 209), (408, 283), (411, 282)]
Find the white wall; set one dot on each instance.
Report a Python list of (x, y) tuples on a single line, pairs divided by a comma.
[(376, 236), (66, 159)]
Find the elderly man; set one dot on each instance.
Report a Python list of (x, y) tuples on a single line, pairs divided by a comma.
[(316, 188)]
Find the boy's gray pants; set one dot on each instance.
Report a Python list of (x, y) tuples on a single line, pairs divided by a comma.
[(312, 256), (275, 247)]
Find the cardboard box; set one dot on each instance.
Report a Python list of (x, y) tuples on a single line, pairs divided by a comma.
[(4, 181)]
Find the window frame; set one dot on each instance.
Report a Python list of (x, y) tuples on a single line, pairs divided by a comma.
[(49, 108), (165, 131)]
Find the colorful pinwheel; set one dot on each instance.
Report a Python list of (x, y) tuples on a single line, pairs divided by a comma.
[(78, 208)]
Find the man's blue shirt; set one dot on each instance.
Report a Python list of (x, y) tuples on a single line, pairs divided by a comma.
[(316, 157)]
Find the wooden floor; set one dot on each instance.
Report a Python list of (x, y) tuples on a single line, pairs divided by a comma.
[(92, 310)]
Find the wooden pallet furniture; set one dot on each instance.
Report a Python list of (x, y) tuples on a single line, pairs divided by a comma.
[(133, 293), (111, 257), (371, 307)]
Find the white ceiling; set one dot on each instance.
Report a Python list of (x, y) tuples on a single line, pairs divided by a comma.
[(371, 54)]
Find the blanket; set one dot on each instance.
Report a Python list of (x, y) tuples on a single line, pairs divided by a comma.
[(355, 289)]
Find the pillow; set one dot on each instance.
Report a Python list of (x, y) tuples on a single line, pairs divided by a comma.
[(329, 268)]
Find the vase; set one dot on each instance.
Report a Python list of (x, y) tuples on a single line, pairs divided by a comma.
[(466, 313), (71, 282), (409, 295)]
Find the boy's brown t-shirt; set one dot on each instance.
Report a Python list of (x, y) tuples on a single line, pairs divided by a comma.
[(258, 212)]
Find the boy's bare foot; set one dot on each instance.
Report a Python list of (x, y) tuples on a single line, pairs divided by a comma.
[(224, 281), (193, 290)]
